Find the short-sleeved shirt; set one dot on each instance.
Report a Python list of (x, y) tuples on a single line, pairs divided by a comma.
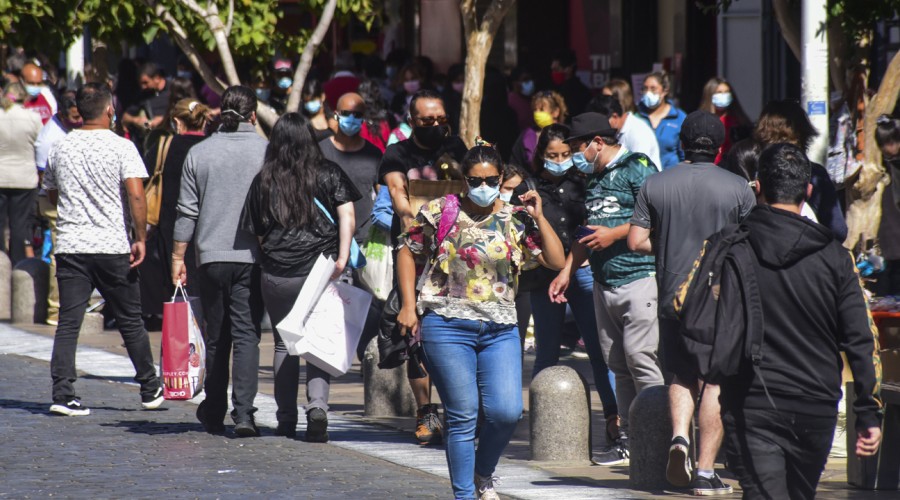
[(684, 206), (475, 273), (610, 203), (362, 168), (89, 169), (291, 252)]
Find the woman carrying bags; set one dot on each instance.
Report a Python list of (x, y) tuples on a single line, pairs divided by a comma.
[(474, 246), (281, 211)]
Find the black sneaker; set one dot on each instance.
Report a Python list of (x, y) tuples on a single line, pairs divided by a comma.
[(316, 426), (616, 454), (678, 471), (154, 400), (707, 487), (247, 428), (73, 408), (210, 427), (286, 429)]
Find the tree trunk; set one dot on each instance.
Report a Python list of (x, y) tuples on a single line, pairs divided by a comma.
[(306, 56), (787, 14), (864, 196), (478, 47)]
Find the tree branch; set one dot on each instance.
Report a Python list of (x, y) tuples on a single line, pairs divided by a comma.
[(230, 23), (194, 6), (493, 18), (469, 16), (306, 56)]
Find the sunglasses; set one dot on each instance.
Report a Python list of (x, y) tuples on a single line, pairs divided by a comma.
[(429, 121), (492, 181), (346, 113)]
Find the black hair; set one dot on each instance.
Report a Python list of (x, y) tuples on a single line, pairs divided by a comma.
[(566, 58), (511, 170), (288, 179), (376, 109), (455, 71), (92, 100), (517, 73), (152, 70), (605, 105), (422, 94), (312, 87), (373, 66), (743, 159), (238, 102), (784, 172), (887, 131), (66, 102), (550, 133), (481, 154)]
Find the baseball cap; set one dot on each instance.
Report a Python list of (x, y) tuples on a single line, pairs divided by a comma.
[(702, 131), (283, 65), (590, 125)]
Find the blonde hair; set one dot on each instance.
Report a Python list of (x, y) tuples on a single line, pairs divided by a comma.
[(555, 101), (14, 92), (192, 113), (621, 90)]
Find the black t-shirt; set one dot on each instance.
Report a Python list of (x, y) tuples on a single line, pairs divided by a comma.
[(153, 104), (291, 252), (417, 163), (362, 168)]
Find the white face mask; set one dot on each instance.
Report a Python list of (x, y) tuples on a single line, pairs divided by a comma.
[(506, 197)]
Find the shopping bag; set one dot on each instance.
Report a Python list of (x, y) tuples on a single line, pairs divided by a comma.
[(378, 275), (333, 328), (183, 357), (291, 327)]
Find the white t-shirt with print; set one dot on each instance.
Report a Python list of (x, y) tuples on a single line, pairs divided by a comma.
[(89, 168)]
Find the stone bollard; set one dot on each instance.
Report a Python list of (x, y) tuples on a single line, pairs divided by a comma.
[(29, 291), (92, 324), (386, 392), (5, 287), (650, 428), (560, 416)]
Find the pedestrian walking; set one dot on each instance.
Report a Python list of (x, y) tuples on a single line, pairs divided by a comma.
[(316, 108), (720, 99), (19, 129), (624, 283), (281, 211), (548, 107), (217, 172), (656, 108), (90, 175), (683, 206), (780, 416), (562, 191), (468, 313), (633, 133)]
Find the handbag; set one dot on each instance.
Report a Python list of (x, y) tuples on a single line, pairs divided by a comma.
[(357, 260), (154, 191), (183, 356), (378, 275)]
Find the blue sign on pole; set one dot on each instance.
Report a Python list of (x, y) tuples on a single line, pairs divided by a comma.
[(814, 108)]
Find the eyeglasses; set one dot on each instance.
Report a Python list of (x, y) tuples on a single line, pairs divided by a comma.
[(492, 181), (346, 113), (429, 121)]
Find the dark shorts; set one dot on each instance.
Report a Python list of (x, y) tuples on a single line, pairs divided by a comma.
[(675, 359)]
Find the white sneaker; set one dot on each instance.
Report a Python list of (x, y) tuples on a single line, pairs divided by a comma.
[(153, 402), (484, 486), (73, 408)]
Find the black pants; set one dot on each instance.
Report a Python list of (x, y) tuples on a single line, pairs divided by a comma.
[(233, 308), (18, 205), (769, 460), (78, 275)]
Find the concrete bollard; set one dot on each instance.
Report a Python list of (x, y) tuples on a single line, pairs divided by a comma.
[(5, 287), (29, 291), (92, 324), (560, 412), (650, 430), (386, 392)]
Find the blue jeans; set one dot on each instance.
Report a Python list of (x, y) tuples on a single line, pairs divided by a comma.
[(467, 359), (548, 322)]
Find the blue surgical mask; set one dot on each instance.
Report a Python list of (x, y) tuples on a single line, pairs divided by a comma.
[(527, 88), (722, 100), (484, 195), (350, 125), (506, 197), (650, 100), (285, 82), (313, 107), (558, 169), (582, 163), (33, 90), (263, 94)]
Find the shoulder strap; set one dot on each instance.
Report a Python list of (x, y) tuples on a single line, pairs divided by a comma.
[(324, 210), (161, 154)]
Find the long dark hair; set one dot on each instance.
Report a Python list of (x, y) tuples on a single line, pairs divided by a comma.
[(550, 133), (288, 177)]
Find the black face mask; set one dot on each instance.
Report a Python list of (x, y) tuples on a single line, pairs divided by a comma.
[(431, 137)]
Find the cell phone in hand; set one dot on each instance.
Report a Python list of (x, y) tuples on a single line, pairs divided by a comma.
[(582, 232)]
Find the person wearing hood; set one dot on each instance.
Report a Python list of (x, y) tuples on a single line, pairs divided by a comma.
[(683, 206), (813, 308)]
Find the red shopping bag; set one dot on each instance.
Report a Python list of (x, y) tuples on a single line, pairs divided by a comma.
[(183, 358)]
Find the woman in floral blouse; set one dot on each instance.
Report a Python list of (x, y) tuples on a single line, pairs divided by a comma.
[(472, 255)]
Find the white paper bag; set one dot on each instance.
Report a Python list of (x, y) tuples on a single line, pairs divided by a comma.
[(291, 327), (333, 328)]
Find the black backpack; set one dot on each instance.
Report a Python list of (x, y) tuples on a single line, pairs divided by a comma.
[(720, 307)]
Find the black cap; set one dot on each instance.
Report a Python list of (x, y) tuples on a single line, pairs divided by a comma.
[(590, 125), (702, 132)]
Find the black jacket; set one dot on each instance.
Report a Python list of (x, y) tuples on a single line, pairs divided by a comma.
[(813, 308)]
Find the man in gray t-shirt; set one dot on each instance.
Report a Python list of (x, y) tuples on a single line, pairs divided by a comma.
[(675, 212)]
